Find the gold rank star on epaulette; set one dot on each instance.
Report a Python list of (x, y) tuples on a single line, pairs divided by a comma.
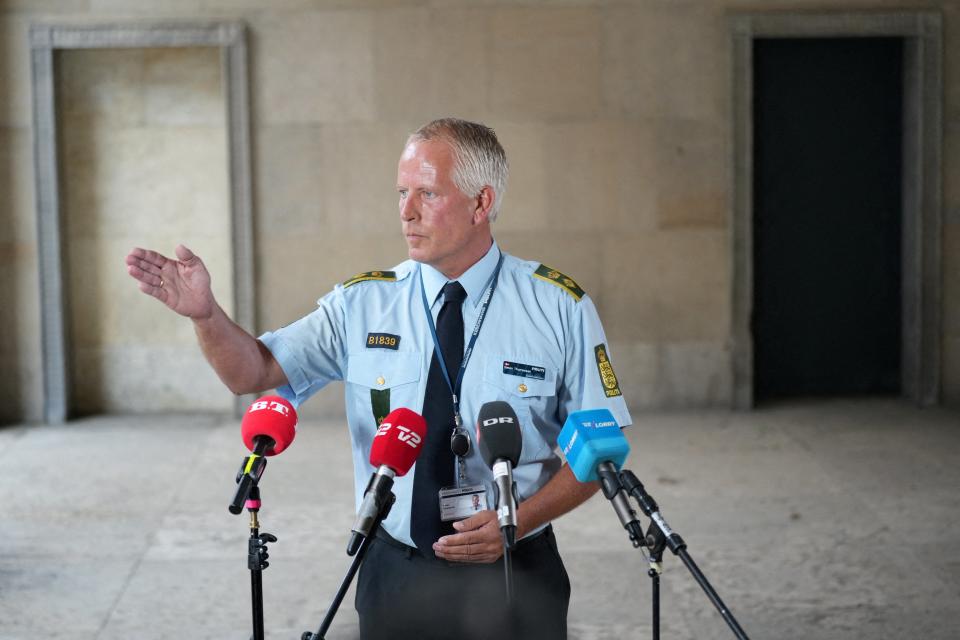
[(385, 276), (563, 281)]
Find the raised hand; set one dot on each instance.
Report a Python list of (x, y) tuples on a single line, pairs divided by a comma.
[(183, 284)]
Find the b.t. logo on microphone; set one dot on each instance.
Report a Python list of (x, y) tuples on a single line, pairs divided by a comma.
[(273, 405)]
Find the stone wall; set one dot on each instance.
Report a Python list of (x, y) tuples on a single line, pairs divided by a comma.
[(616, 118)]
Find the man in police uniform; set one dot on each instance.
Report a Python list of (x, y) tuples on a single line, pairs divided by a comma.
[(537, 343)]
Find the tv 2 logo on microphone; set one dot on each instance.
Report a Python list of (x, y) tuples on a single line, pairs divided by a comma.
[(273, 405), (404, 434), (492, 421)]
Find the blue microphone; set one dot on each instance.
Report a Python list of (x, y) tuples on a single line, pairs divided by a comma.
[(595, 449), (590, 438)]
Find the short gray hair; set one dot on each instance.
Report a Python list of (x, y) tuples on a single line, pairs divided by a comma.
[(479, 160)]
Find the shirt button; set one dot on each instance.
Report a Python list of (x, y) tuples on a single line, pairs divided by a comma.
[(380, 381), (522, 388)]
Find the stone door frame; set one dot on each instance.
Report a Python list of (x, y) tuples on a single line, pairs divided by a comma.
[(231, 38), (922, 183)]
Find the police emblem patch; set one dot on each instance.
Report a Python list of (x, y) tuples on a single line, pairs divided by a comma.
[(611, 386)]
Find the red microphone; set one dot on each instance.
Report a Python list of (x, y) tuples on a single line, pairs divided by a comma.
[(268, 427), (395, 448), (270, 417)]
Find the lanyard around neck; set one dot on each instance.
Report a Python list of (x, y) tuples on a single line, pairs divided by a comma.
[(484, 303)]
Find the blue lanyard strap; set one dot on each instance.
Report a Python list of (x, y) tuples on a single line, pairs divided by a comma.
[(484, 303)]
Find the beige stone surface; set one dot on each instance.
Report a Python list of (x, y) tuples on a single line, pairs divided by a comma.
[(525, 202), (111, 379), (313, 66), (637, 366), (672, 374), (545, 63), (45, 6), (600, 175), (289, 185), (183, 86), (21, 385), (17, 219), (19, 312), (615, 117), (666, 60), (100, 86), (693, 374), (692, 173), (153, 177), (667, 286), (431, 63), (14, 72), (142, 179), (359, 179), (299, 269), (21, 395)]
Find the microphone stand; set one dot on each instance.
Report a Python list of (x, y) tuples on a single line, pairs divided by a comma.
[(248, 495), (659, 536), (257, 561), (508, 567), (351, 572)]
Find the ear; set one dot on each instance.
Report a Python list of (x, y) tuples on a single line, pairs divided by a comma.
[(484, 203)]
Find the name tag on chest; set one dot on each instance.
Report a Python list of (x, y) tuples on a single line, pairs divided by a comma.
[(524, 370)]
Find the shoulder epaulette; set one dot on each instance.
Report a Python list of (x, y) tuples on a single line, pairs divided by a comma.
[(385, 276), (563, 281)]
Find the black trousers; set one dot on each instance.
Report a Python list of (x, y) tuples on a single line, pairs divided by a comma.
[(401, 594)]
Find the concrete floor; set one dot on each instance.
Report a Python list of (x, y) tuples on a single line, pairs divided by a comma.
[(833, 519)]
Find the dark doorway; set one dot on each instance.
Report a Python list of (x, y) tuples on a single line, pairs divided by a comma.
[(827, 216)]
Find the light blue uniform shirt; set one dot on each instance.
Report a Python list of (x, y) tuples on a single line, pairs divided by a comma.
[(540, 349)]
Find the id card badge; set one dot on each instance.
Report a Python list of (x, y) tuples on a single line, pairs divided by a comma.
[(457, 503)]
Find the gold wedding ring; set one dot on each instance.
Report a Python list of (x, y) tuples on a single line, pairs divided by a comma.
[(161, 283)]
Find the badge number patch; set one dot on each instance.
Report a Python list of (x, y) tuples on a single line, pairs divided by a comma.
[(524, 370), (608, 378), (383, 341)]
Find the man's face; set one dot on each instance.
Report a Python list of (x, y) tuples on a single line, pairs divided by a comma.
[(441, 224)]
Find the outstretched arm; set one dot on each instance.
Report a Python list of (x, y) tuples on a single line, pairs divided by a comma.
[(183, 285)]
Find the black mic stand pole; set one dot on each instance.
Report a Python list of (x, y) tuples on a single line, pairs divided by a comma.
[(655, 544), (351, 572), (257, 561), (675, 543), (248, 495), (508, 545)]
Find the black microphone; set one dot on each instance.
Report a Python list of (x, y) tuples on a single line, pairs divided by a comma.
[(498, 433)]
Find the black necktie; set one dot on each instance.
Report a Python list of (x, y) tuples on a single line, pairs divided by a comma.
[(435, 465)]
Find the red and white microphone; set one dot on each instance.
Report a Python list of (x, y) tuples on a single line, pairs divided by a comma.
[(268, 427), (395, 448)]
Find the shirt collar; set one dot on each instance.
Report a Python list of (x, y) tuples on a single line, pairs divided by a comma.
[(473, 280)]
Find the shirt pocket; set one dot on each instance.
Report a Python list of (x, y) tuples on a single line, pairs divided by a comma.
[(380, 381), (530, 397)]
